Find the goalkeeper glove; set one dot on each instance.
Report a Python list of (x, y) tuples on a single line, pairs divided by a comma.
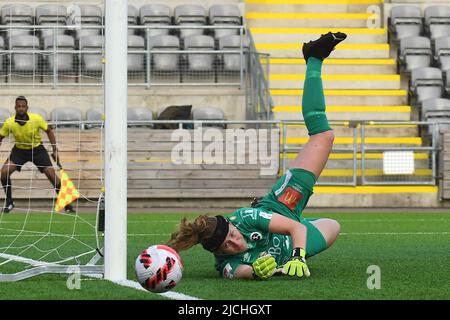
[(297, 265), (264, 267)]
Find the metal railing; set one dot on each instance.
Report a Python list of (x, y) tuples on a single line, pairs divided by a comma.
[(261, 99), (357, 159), (44, 67)]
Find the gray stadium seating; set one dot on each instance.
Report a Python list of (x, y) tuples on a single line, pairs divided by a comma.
[(24, 61), (155, 15), (92, 61), (426, 83), (17, 15), (51, 15), (132, 18), (164, 61), (136, 60), (224, 15), (91, 15), (208, 113), (436, 110), (232, 61), (4, 114), (190, 15), (437, 21), (39, 111), (405, 21), (139, 114), (65, 61), (200, 61), (442, 52), (434, 105), (415, 52), (66, 114)]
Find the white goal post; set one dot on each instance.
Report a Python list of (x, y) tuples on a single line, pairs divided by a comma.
[(115, 98), (116, 85)]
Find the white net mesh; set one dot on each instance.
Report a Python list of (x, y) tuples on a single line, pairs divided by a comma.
[(33, 229), (33, 233)]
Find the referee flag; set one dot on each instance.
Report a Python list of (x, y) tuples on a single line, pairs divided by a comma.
[(67, 193)]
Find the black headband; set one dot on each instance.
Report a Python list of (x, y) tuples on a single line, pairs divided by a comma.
[(219, 235)]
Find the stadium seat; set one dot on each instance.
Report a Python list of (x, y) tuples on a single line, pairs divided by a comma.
[(415, 52), (136, 60), (17, 15), (91, 61), (65, 61), (436, 110), (190, 15), (62, 115), (426, 83), (139, 114), (208, 113), (94, 114), (434, 105), (132, 19), (405, 21), (155, 15), (51, 15), (4, 114), (164, 61), (39, 111), (21, 13), (225, 15), (200, 61), (24, 61), (442, 52), (232, 61), (91, 15), (437, 21)]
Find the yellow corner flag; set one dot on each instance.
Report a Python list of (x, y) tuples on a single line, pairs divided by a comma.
[(67, 192)]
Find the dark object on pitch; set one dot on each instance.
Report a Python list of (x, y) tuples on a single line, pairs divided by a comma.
[(175, 113), (101, 214)]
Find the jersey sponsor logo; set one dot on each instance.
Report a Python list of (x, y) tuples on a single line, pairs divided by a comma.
[(290, 198), (255, 236), (265, 215), (227, 271)]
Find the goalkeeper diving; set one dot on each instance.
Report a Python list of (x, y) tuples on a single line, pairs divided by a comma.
[(271, 237)]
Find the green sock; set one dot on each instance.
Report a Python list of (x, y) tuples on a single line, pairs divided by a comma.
[(313, 101)]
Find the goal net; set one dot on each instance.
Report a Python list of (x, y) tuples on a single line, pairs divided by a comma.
[(41, 61), (70, 61), (34, 236)]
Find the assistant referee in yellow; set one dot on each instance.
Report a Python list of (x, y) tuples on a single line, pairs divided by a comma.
[(28, 146)]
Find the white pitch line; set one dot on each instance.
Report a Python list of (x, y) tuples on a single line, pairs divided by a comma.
[(126, 283)]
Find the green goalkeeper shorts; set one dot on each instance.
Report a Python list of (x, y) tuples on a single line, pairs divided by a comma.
[(289, 197)]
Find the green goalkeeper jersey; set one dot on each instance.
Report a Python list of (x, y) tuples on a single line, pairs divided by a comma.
[(253, 223)]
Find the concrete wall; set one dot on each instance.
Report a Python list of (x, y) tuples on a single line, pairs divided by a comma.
[(231, 101)]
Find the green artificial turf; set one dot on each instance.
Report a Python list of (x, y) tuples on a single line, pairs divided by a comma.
[(411, 250)]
